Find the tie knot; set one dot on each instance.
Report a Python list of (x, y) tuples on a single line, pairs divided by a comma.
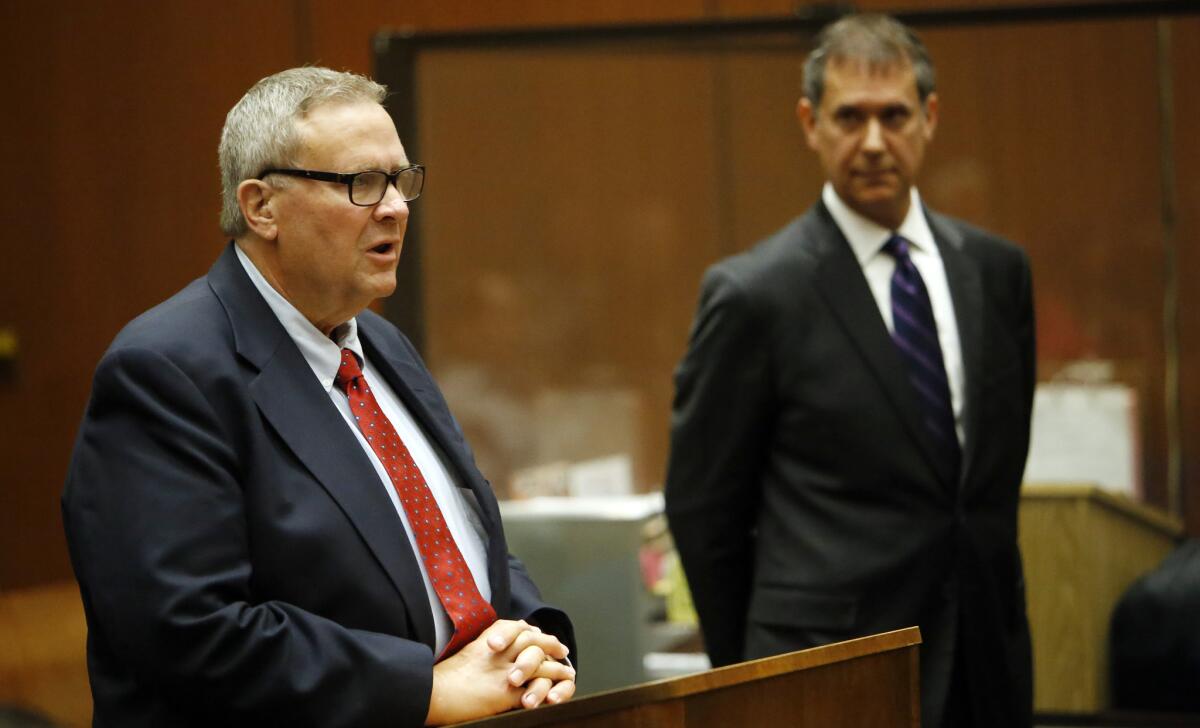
[(897, 247), (348, 370)]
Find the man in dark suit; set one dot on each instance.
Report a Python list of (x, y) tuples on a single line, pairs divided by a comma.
[(851, 418), (273, 517)]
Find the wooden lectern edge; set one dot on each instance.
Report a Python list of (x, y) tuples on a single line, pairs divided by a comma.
[(677, 687), (1167, 524)]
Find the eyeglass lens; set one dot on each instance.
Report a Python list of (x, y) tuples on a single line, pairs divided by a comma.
[(369, 188)]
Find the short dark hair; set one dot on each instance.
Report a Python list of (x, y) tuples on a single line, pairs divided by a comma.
[(878, 40)]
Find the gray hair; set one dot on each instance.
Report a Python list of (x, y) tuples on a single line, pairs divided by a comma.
[(260, 130), (878, 40)]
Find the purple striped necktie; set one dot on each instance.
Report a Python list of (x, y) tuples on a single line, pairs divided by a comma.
[(915, 334)]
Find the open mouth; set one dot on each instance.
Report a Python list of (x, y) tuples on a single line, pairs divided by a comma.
[(383, 249)]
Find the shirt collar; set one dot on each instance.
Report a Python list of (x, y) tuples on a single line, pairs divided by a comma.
[(867, 237), (324, 355)]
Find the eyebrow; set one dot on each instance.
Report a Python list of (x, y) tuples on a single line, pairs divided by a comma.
[(362, 165), (890, 106)]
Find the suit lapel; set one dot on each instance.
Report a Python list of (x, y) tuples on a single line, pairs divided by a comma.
[(841, 281), (299, 409), (966, 288)]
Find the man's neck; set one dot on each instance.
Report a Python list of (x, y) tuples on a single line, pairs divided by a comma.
[(263, 261)]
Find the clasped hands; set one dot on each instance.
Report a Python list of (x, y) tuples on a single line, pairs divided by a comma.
[(510, 664)]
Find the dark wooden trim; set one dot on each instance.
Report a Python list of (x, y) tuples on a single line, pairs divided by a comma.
[(806, 20)]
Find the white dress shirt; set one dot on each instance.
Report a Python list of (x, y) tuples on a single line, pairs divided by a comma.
[(324, 356), (867, 238)]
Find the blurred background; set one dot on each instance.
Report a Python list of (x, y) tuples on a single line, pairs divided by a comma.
[(579, 184)]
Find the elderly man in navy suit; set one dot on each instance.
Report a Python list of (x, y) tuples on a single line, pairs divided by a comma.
[(272, 515), (851, 418)]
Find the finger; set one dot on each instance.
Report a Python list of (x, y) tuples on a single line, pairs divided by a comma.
[(555, 671), (561, 692), (502, 632), (526, 664), (536, 692), (548, 642)]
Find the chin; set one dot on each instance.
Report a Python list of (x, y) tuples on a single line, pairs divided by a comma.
[(877, 193), (881, 196), (385, 290), (379, 293), (377, 287)]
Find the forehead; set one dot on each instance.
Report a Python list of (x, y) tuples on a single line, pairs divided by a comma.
[(342, 136), (852, 82)]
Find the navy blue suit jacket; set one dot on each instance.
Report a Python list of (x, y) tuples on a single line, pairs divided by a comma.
[(238, 557)]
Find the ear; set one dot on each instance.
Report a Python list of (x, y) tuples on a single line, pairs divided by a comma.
[(255, 198), (807, 115), (931, 115)]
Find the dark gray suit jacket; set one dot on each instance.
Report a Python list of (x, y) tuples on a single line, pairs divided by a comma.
[(802, 489), (238, 558)]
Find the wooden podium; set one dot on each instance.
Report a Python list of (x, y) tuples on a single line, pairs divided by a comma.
[(872, 681), (1082, 548)]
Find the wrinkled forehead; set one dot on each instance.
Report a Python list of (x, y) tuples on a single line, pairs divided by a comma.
[(337, 117), (350, 133)]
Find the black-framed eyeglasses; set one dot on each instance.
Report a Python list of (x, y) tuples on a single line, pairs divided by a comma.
[(367, 188)]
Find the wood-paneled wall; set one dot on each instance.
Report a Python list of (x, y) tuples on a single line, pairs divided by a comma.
[(111, 191), (1185, 55), (602, 182)]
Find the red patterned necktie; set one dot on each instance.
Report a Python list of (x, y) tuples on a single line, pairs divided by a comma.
[(469, 612)]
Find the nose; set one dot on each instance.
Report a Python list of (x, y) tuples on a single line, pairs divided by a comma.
[(873, 141), (392, 206)]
